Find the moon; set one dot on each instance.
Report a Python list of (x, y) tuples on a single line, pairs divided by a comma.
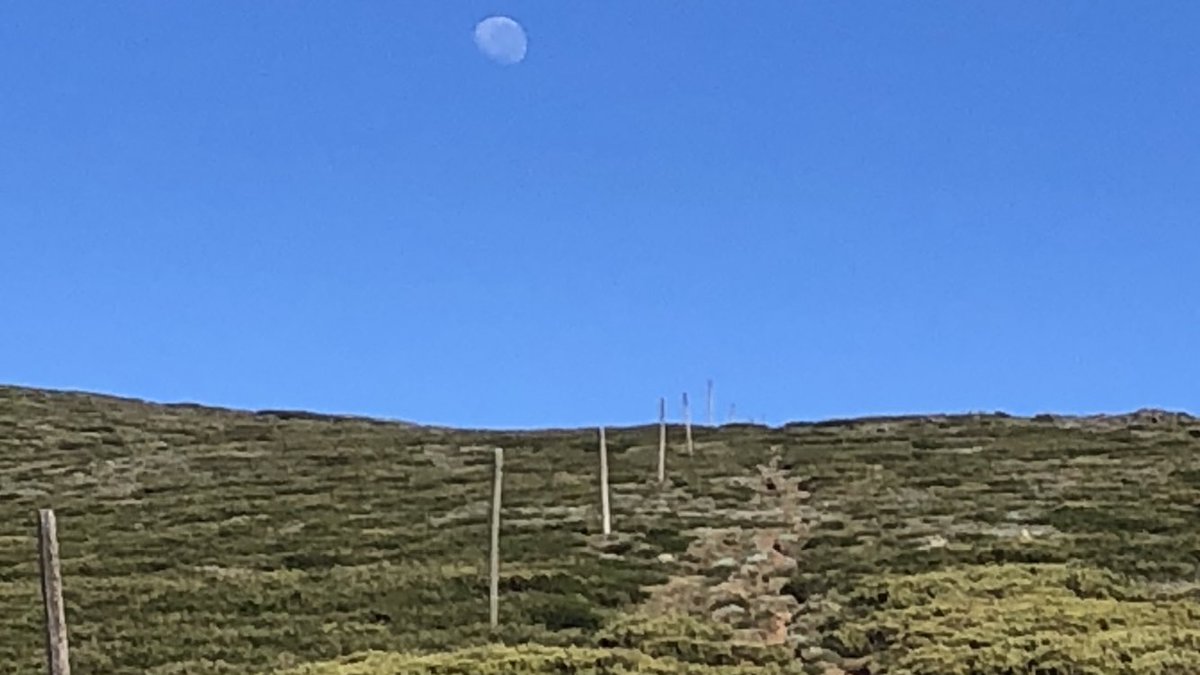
[(501, 39)]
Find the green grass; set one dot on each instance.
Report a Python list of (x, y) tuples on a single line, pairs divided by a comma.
[(212, 541)]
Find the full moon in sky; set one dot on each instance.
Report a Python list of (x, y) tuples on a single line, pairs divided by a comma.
[(501, 39)]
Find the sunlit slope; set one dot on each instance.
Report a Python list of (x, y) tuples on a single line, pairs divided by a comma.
[(212, 541)]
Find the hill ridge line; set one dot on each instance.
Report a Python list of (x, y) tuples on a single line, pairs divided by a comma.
[(1149, 414)]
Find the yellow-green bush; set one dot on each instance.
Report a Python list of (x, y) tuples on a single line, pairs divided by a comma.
[(688, 639), (1016, 619), (523, 659), (635, 643)]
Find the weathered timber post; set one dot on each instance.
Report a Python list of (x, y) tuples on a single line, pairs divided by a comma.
[(58, 660), (662, 440), (494, 587), (605, 515), (687, 423)]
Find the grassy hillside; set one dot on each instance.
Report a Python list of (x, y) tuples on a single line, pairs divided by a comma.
[(211, 541)]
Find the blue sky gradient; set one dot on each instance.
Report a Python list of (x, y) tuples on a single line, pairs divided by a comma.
[(831, 209)]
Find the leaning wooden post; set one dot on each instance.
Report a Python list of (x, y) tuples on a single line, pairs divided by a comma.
[(494, 588), (662, 440), (687, 423), (58, 660), (605, 515)]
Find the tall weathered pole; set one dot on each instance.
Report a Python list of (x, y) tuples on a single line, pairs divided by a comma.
[(494, 585), (605, 515), (58, 660), (662, 440)]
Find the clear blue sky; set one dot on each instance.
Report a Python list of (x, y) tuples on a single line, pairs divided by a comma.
[(830, 208)]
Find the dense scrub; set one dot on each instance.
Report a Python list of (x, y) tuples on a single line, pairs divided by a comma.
[(524, 659), (631, 644), (211, 541), (994, 620)]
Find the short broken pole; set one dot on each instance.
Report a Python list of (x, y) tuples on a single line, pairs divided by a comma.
[(687, 424), (662, 440), (494, 587), (58, 660), (709, 416)]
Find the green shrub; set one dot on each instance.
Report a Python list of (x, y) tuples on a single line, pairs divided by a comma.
[(556, 612)]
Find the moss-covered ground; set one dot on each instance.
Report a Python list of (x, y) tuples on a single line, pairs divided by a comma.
[(210, 541)]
